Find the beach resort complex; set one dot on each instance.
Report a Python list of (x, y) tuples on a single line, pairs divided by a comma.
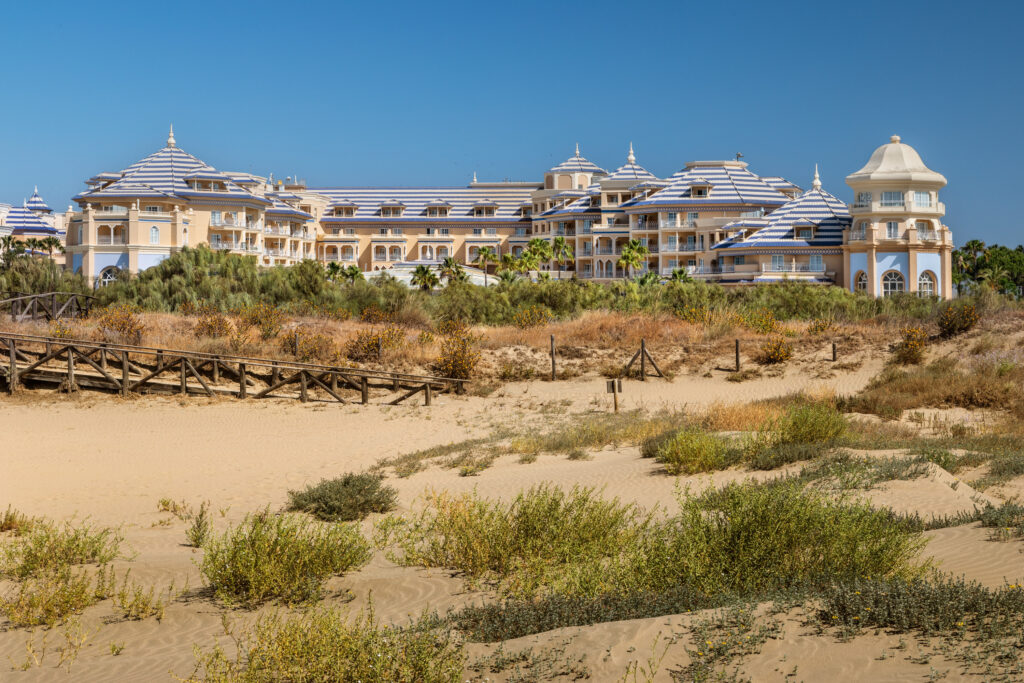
[(714, 220)]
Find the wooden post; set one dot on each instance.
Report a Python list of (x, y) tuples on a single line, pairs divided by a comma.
[(615, 394), (364, 390), (241, 380), (428, 392), (303, 394), (103, 356), (275, 375), (71, 369), (380, 347), (216, 370), (12, 378), (124, 372), (184, 378), (834, 355), (159, 358), (643, 360), (53, 311), (737, 355), (552, 358), (334, 382)]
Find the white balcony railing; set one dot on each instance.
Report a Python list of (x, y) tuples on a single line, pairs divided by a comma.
[(791, 268), (107, 239), (858, 236), (928, 235), (233, 224)]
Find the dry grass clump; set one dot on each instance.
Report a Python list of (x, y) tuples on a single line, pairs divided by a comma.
[(531, 316), (689, 450), (13, 520), (372, 344), (996, 383), (212, 324), (308, 346), (345, 498), (459, 355), (374, 315), (120, 324), (267, 319), (324, 644), (279, 557), (49, 597), (59, 329)]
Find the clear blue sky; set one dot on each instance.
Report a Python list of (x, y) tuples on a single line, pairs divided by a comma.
[(405, 93)]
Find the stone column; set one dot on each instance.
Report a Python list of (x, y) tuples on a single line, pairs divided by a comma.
[(912, 270), (872, 271)]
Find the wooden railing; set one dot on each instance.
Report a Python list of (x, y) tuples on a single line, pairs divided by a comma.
[(48, 306), (74, 364)]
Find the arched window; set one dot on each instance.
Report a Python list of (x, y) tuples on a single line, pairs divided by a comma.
[(154, 235), (860, 283), (109, 275), (926, 284), (892, 282)]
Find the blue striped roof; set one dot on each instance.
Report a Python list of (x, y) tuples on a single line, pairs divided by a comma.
[(164, 175), (730, 183), (578, 164), (575, 208), (631, 170), (36, 203), (280, 208), (815, 208), (461, 201), (781, 184), (21, 221)]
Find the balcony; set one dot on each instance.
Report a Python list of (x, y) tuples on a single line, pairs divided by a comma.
[(676, 248), (232, 224), (607, 251), (858, 236), (928, 235), (105, 240), (565, 233), (678, 224), (936, 208), (119, 212), (245, 247), (791, 268)]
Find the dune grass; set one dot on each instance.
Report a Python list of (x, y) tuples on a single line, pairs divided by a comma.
[(45, 546), (279, 557), (325, 644)]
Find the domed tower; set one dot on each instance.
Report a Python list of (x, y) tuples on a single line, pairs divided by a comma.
[(897, 241)]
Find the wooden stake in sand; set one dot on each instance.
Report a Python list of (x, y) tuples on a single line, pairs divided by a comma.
[(834, 356), (737, 355), (552, 358)]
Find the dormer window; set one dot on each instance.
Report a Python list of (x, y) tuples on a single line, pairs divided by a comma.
[(701, 191), (805, 234), (391, 211), (437, 211), (613, 199), (346, 212)]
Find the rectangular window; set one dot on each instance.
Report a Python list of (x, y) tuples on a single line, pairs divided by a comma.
[(152, 209), (350, 231), (892, 230), (396, 231), (739, 260), (863, 199), (892, 199), (215, 218), (778, 262), (520, 232), (816, 263), (444, 231), (382, 231), (691, 217), (923, 199), (478, 231), (613, 199), (804, 234), (79, 234), (699, 192), (588, 225), (492, 231)]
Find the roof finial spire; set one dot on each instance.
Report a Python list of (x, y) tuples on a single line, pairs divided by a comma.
[(631, 158), (474, 176), (577, 149), (817, 180), (35, 190), (170, 137)]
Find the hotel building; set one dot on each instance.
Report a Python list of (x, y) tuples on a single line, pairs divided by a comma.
[(715, 220)]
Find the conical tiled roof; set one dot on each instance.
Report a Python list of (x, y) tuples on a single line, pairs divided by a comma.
[(578, 164), (896, 161), (816, 208), (631, 170), (165, 174), (21, 220), (36, 203), (730, 181)]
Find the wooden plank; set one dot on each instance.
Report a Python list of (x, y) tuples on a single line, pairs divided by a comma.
[(333, 391), (192, 369), (160, 368), (280, 383), (411, 392), (94, 364), (630, 363)]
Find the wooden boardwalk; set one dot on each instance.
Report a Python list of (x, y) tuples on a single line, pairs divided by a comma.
[(49, 306), (75, 364)]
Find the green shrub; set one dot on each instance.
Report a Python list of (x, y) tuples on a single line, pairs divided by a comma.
[(751, 538), (459, 355), (199, 530), (691, 450), (956, 318), (816, 422), (910, 349), (544, 538), (47, 547), (49, 597), (345, 498), (774, 351), (282, 557), (324, 645)]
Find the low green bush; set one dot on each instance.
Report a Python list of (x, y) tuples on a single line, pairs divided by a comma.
[(47, 546), (690, 450), (279, 557), (326, 645), (345, 498)]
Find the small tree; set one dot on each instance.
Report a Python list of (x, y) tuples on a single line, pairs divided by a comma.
[(424, 278), (484, 256), (562, 253)]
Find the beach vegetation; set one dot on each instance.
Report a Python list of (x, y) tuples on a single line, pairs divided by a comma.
[(346, 498), (279, 557)]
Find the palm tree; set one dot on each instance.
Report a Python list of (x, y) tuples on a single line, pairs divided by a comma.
[(508, 263), (333, 271), (424, 278), (450, 270), (32, 244), (634, 255), (484, 256), (507, 277), (352, 273), (648, 279), (680, 275), (540, 249), (52, 244), (562, 253), (993, 276), (527, 261)]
